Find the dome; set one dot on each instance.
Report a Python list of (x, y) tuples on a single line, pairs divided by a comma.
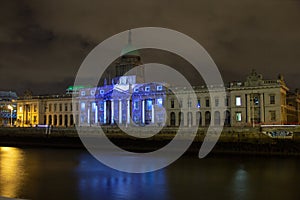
[(129, 50)]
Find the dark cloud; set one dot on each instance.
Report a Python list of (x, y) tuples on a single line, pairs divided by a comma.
[(42, 43)]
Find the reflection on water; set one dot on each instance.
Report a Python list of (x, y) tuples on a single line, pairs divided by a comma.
[(74, 174), (11, 171), (96, 180)]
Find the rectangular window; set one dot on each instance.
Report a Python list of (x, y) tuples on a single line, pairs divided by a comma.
[(180, 104), (189, 103), (198, 103), (50, 107), (55, 107), (273, 115), (77, 105), (60, 107), (21, 109), (238, 116), (272, 99), (238, 101), (227, 101), (66, 107), (207, 102), (71, 107), (82, 106), (159, 102), (216, 102), (172, 103), (136, 105), (34, 108)]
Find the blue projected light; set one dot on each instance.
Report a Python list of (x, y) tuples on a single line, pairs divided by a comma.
[(160, 102), (149, 104)]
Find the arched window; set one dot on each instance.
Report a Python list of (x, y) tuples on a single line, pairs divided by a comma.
[(55, 120), (190, 119), (207, 118), (227, 118), (217, 117), (172, 119), (71, 120), (50, 120), (199, 118), (66, 120), (181, 119)]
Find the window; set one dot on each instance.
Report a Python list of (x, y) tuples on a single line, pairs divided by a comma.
[(101, 91), (273, 115), (82, 106), (147, 89), (50, 107), (82, 93), (136, 90), (180, 104), (21, 109), (256, 101), (77, 105), (34, 108), (60, 107), (160, 102), (34, 119), (136, 105), (207, 102), (55, 107), (189, 103), (216, 102), (159, 88), (238, 116), (238, 101), (71, 107), (272, 99), (92, 92), (198, 103), (227, 101), (172, 103), (66, 107)]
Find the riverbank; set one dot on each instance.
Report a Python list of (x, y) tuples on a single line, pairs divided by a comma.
[(232, 140)]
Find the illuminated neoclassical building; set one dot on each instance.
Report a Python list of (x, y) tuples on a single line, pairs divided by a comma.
[(127, 100)]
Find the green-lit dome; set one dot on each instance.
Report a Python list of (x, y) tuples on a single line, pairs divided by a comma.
[(129, 50)]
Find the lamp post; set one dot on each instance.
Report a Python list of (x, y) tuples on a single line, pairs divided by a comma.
[(11, 113)]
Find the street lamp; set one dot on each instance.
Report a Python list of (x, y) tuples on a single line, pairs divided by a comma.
[(11, 113)]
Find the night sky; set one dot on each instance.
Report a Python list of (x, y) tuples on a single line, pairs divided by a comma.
[(43, 42)]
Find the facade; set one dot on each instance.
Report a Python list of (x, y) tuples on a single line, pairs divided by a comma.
[(55, 110), (252, 102), (7, 108)]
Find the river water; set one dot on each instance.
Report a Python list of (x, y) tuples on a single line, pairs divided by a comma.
[(42, 173)]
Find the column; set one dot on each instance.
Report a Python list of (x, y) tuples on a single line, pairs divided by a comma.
[(120, 111), (262, 110), (143, 112), (88, 116), (96, 114), (128, 111), (248, 109), (104, 112), (112, 111)]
